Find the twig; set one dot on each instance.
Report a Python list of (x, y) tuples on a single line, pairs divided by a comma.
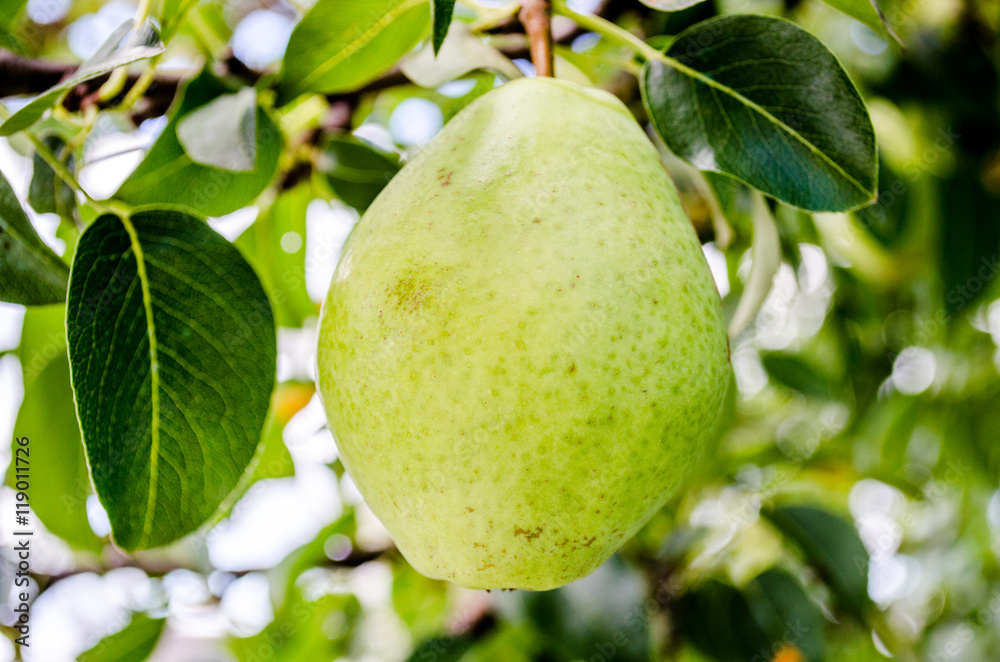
[(536, 17)]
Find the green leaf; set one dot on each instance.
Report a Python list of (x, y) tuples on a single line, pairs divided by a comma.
[(275, 245), (441, 13), (272, 459), (764, 101), (868, 12), (124, 46), (833, 547), (9, 11), (421, 603), (340, 45), (969, 246), (48, 417), (172, 12), (168, 175), (223, 132), (463, 52), (172, 344), (670, 5), (303, 630), (578, 620), (48, 193), (356, 171), (792, 371), (785, 612), (716, 618), (766, 254), (30, 272), (133, 644), (887, 220), (442, 649)]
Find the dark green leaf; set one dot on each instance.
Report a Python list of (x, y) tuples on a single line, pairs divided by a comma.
[(603, 614), (356, 171), (833, 547), (48, 417), (866, 11), (762, 100), (786, 614), (340, 45), (275, 246), (48, 193), (887, 219), (792, 371), (969, 249), (715, 618), (30, 272), (133, 644), (272, 460), (441, 649), (168, 175), (441, 13), (172, 343), (223, 132), (124, 46)]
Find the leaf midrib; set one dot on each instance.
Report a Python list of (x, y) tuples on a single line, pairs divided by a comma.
[(154, 449)]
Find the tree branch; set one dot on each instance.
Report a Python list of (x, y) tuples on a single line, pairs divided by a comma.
[(536, 17)]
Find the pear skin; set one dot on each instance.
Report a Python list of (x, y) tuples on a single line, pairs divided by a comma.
[(522, 351)]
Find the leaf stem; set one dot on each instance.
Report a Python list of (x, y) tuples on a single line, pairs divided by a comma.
[(606, 28), (51, 159), (114, 85)]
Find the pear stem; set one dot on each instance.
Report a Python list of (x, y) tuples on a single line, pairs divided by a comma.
[(536, 16)]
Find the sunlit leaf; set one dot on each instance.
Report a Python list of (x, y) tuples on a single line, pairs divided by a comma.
[(275, 244), (48, 417), (132, 644), (766, 254), (670, 5), (866, 11), (342, 44), (462, 52), (223, 132)]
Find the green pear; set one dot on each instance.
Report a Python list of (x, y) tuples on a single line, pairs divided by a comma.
[(522, 351)]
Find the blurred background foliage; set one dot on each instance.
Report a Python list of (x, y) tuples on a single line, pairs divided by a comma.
[(851, 510)]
